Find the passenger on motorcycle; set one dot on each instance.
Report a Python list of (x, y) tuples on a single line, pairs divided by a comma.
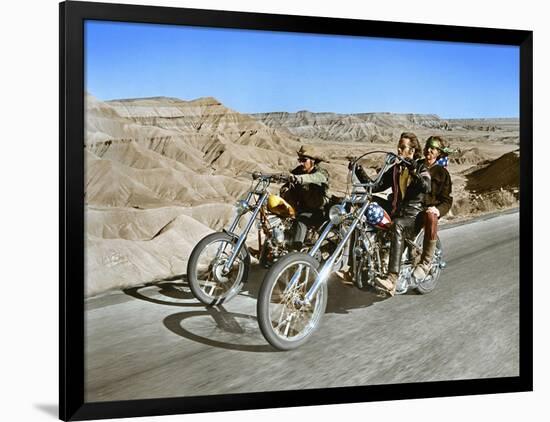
[(438, 202), (410, 181), (306, 192)]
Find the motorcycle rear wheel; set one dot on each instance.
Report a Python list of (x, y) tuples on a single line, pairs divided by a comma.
[(285, 322), (205, 274)]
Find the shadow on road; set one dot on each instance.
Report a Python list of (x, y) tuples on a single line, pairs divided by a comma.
[(341, 297), (177, 288), (344, 297), (217, 327), (174, 289), (256, 276)]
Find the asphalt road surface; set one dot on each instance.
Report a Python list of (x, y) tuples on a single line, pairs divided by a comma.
[(157, 341)]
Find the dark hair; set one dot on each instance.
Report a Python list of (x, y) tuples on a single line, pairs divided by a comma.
[(414, 143), (437, 140)]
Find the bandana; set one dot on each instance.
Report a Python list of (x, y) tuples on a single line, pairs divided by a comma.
[(434, 143)]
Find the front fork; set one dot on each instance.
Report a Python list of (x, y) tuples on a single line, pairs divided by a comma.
[(312, 253), (327, 267), (227, 266)]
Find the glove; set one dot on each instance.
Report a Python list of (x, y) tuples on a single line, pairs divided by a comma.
[(411, 167), (292, 179), (408, 164), (281, 177)]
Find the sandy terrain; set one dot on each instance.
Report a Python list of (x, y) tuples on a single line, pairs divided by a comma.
[(162, 172)]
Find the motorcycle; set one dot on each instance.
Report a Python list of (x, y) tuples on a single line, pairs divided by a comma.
[(293, 295), (219, 264)]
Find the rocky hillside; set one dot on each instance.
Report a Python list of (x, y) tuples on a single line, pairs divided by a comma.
[(386, 127), (160, 174)]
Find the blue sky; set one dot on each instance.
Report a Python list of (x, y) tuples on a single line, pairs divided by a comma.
[(261, 71)]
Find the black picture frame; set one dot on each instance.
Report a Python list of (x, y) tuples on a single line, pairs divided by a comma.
[(72, 16)]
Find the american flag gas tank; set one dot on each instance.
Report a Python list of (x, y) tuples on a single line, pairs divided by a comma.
[(377, 216)]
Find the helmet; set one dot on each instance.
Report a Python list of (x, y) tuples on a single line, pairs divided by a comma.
[(377, 216)]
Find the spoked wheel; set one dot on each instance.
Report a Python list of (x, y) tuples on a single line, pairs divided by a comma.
[(208, 280), (432, 278), (285, 320)]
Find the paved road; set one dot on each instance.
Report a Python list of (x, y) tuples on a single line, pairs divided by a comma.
[(157, 341)]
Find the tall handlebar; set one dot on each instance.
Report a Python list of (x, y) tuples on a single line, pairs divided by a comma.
[(275, 177), (391, 160)]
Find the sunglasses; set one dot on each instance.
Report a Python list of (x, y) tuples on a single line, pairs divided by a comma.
[(303, 159)]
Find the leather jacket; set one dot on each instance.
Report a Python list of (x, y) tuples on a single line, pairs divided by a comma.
[(411, 202), (440, 195)]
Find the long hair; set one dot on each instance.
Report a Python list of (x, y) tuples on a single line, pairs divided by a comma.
[(414, 143)]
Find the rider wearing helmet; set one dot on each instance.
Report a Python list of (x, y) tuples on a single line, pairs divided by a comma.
[(438, 201), (410, 181), (306, 192)]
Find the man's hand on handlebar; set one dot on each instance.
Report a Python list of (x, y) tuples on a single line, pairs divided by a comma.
[(283, 178), (403, 161)]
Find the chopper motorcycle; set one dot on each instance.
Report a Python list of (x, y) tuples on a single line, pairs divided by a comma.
[(293, 295), (219, 264)]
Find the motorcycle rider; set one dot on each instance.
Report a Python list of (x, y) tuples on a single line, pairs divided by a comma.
[(410, 180), (306, 192), (438, 202)]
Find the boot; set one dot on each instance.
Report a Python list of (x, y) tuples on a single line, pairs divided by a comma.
[(387, 283), (425, 264)]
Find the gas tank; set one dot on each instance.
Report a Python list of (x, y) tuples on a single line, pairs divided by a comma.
[(280, 207), (377, 216)]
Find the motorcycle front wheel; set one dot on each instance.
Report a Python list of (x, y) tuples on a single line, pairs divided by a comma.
[(208, 281), (285, 320)]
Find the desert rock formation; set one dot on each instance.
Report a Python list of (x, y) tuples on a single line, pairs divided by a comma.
[(385, 127)]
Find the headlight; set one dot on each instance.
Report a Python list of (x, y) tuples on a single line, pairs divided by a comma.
[(337, 214), (241, 206)]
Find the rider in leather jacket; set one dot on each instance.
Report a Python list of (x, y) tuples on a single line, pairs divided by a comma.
[(438, 202), (409, 184)]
